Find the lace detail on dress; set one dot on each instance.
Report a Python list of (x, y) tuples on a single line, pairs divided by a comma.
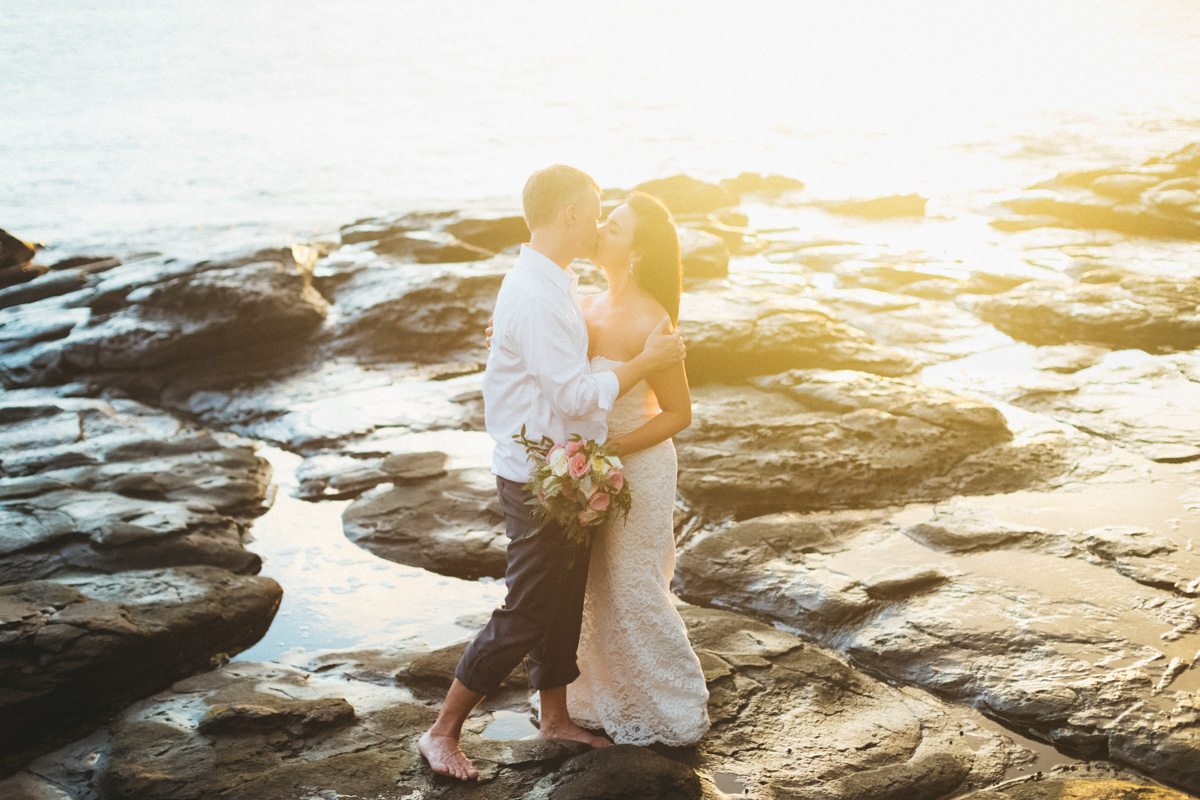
[(639, 678)]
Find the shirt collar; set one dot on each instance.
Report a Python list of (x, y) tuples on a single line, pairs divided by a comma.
[(565, 279)]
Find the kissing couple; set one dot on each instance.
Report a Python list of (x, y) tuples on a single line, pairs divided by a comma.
[(598, 630)]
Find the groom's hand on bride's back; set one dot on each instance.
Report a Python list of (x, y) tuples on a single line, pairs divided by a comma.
[(664, 346)]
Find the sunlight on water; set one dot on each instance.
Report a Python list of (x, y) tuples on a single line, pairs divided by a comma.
[(143, 124)]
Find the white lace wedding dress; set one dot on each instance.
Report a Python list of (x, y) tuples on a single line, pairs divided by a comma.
[(640, 680)]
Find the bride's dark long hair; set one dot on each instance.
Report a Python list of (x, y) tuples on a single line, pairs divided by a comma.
[(659, 271)]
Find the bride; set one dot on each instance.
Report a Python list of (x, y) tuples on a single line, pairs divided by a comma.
[(640, 680)]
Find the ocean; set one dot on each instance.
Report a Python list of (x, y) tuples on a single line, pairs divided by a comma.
[(133, 125)]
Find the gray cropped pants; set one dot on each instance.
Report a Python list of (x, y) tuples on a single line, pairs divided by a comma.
[(542, 611)]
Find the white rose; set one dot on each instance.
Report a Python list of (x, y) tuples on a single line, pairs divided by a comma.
[(558, 463)]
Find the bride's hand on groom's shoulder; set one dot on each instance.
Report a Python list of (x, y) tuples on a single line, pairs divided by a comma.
[(487, 334)]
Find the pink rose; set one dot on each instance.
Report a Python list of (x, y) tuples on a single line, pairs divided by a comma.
[(599, 501), (616, 479), (577, 466), (573, 447)]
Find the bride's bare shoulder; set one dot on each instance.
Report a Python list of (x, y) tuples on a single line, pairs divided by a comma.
[(646, 315)]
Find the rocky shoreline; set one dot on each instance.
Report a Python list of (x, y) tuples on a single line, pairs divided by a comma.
[(912, 486)]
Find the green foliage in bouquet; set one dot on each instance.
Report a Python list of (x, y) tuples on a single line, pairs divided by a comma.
[(578, 484)]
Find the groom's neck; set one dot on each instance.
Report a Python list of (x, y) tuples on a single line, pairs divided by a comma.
[(552, 247)]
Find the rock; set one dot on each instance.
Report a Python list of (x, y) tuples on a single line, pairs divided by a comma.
[(1153, 314), (14, 252), (704, 255), (415, 466), (894, 583), (1069, 358), (1092, 213), (1070, 785), (334, 401), (450, 524), (298, 717), (160, 315), (88, 491), (11, 276), (436, 317), (960, 531), (899, 205), (1159, 198), (618, 772), (685, 195), (773, 697), (1142, 402), (495, 234), (811, 439), (729, 340), (378, 228), (76, 650), (1124, 186), (330, 477), (88, 264), (767, 186), (427, 248), (42, 286), (1003, 626)]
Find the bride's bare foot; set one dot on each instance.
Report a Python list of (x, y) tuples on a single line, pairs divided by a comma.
[(569, 730), (445, 757)]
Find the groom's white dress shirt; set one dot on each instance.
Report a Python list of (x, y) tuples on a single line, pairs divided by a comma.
[(537, 370)]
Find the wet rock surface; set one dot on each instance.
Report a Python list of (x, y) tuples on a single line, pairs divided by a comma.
[(730, 339), (810, 439), (789, 720), (1158, 198), (835, 380), (1141, 402), (75, 649), (1092, 783), (155, 314), (966, 611), (122, 559), (1155, 314), (100, 486), (908, 205), (449, 524)]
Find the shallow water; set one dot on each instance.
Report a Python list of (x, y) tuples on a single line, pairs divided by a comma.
[(338, 596)]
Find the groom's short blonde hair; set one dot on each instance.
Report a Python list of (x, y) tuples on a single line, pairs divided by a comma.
[(548, 191)]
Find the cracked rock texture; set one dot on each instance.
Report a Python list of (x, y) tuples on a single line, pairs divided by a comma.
[(1158, 198), (789, 719), (1004, 617), (76, 649), (810, 439)]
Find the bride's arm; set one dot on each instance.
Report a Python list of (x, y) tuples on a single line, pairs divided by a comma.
[(674, 398)]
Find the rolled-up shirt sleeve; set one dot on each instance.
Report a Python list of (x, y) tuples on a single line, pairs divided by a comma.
[(546, 337)]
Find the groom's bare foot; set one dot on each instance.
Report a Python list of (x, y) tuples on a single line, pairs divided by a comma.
[(569, 730), (445, 757)]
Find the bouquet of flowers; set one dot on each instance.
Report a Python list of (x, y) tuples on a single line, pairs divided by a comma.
[(576, 483)]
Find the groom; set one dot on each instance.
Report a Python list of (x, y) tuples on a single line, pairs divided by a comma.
[(538, 376)]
